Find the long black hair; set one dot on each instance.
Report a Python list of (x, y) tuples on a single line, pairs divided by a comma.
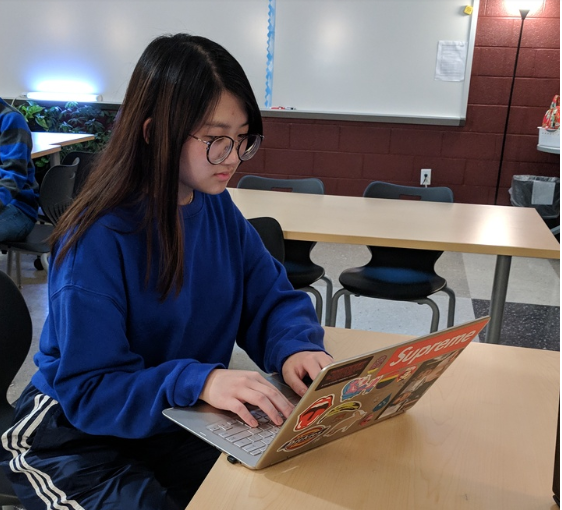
[(176, 83)]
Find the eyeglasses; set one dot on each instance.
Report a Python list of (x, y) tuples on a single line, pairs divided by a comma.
[(220, 147)]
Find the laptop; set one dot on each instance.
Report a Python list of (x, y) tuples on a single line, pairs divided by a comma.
[(346, 396)]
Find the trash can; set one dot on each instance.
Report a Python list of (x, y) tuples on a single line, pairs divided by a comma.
[(542, 193)]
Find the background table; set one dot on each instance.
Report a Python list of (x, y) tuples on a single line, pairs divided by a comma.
[(468, 228), (50, 144), (483, 437)]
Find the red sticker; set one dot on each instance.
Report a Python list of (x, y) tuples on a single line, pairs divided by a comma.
[(313, 412)]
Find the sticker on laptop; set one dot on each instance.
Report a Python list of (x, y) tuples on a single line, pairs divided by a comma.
[(384, 381), (377, 364), (344, 373), (425, 350), (400, 377), (313, 412), (359, 386), (401, 403), (304, 438), (382, 403), (406, 374), (367, 419), (344, 407), (344, 425), (419, 383), (340, 411)]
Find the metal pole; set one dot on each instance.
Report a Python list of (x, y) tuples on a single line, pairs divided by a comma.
[(497, 302), (524, 13)]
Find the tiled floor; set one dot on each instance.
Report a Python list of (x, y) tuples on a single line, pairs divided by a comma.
[(532, 315)]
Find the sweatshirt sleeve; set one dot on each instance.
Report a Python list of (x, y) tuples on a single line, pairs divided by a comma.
[(103, 386), (277, 321), (111, 353), (15, 156)]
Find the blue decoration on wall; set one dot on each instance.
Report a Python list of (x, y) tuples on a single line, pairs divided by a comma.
[(270, 53)]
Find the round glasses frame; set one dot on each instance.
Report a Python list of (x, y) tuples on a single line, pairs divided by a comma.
[(246, 155)]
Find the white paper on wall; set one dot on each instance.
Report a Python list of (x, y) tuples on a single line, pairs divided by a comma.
[(451, 60)]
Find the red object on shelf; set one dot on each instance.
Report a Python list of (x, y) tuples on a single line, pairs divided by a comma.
[(551, 120)]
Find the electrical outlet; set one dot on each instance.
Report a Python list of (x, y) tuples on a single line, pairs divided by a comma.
[(425, 177)]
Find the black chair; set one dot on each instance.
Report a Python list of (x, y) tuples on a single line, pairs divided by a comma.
[(301, 270), (85, 166), (398, 274), (272, 236), (55, 195), (15, 341)]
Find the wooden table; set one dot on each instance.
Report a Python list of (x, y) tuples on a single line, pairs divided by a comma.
[(50, 144), (468, 228), (483, 437)]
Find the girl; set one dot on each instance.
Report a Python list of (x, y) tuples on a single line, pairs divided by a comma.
[(155, 274)]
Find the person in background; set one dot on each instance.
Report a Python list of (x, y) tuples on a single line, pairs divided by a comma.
[(154, 276), (18, 188)]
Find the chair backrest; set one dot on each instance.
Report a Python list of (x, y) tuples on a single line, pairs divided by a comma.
[(397, 257), (57, 190), (271, 234), (84, 168), (310, 185), (15, 340), (380, 189)]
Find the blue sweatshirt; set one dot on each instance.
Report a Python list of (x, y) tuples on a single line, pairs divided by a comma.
[(17, 173), (114, 355)]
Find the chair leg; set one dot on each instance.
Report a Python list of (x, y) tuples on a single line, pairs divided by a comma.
[(435, 317), (329, 292), (426, 301), (334, 308), (18, 269), (9, 262), (452, 306), (318, 297), (45, 261), (347, 303)]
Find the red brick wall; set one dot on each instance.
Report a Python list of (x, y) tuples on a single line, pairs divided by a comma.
[(348, 155)]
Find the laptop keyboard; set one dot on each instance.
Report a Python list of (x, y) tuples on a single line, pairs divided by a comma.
[(253, 440)]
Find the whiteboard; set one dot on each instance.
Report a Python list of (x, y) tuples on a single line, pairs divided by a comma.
[(376, 58), (343, 59), (100, 41)]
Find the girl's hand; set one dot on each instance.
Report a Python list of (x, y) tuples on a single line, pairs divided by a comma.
[(232, 389), (301, 364)]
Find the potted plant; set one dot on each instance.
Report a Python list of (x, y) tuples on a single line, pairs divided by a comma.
[(71, 118)]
